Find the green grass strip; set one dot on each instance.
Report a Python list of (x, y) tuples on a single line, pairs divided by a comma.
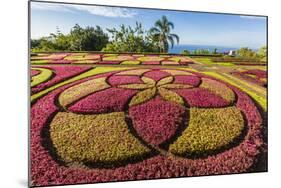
[(43, 76), (208, 61), (261, 100), (91, 72), (204, 60)]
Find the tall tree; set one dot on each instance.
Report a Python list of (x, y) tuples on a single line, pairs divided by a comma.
[(161, 33), (129, 39)]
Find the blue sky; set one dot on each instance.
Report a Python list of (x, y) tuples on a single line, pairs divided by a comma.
[(192, 28)]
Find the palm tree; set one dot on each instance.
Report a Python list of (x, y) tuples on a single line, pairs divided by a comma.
[(161, 34)]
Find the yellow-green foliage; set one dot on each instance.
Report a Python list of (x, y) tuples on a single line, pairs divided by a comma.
[(143, 96), (39, 61), (118, 58), (150, 58), (176, 59), (94, 138), (78, 91), (109, 55), (75, 57), (92, 57), (130, 62), (209, 130), (166, 80), (179, 58), (170, 96), (98, 70), (176, 86), (44, 75), (169, 63), (177, 72), (261, 100), (209, 61), (134, 72), (85, 61), (203, 60), (136, 86), (218, 88)]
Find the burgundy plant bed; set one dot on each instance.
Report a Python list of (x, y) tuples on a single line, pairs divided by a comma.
[(138, 124), (255, 76), (151, 63), (109, 62), (60, 73)]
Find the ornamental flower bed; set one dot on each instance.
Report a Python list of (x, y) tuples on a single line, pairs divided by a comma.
[(110, 59), (255, 76), (57, 74), (143, 123)]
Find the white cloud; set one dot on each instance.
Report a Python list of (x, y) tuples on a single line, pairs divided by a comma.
[(107, 11), (254, 17), (95, 10), (49, 7)]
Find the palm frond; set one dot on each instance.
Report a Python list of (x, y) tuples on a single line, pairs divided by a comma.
[(171, 40), (176, 37)]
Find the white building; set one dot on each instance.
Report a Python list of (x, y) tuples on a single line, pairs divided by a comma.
[(231, 52)]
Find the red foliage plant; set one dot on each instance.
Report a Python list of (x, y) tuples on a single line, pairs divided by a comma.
[(148, 120), (61, 73)]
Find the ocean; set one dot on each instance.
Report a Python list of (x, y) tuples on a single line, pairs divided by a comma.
[(179, 48)]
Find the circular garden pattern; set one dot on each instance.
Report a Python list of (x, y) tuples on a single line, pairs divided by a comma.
[(143, 124)]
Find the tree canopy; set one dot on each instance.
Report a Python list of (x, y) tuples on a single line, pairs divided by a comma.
[(79, 39), (128, 39), (161, 34)]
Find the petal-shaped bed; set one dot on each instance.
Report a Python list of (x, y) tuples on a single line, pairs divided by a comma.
[(94, 139)]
